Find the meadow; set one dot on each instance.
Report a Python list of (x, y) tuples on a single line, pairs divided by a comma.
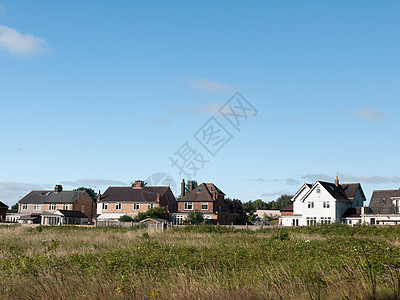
[(200, 262)]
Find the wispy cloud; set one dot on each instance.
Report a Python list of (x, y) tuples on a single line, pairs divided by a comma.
[(369, 114), (20, 44), (275, 193), (291, 181), (209, 109), (346, 177), (91, 182), (210, 86), (11, 191), (257, 179)]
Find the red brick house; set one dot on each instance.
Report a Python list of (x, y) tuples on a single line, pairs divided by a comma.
[(130, 200), (50, 201), (3, 211), (206, 198)]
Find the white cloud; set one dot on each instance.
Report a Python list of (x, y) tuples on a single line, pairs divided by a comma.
[(347, 178), (369, 114), (20, 44), (276, 193), (11, 191), (291, 181), (209, 109), (92, 182), (210, 86)]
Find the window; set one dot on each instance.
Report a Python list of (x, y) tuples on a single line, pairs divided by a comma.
[(65, 206), (25, 206), (318, 190), (372, 221), (208, 217), (199, 189), (104, 205), (295, 222), (311, 221), (310, 204), (136, 206), (83, 208), (150, 205), (325, 220), (37, 206), (52, 206), (204, 206), (326, 204), (118, 206), (188, 205), (178, 219), (383, 200)]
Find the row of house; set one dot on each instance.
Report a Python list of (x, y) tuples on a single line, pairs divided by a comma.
[(60, 207), (325, 203)]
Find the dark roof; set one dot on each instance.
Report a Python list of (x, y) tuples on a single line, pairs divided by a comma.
[(30, 217), (203, 192), (3, 205), (38, 197), (153, 220), (381, 202), (133, 194), (342, 192), (287, 208), (353, 212), (73, 213)]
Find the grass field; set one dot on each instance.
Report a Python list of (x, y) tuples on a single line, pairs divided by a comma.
[(205, 262)]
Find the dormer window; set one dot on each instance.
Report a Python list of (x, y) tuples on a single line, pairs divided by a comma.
[(383, 201), (199, 189)]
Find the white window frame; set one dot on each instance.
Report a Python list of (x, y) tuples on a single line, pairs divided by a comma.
[(52, 206), (65, 206), (204, 204), (118, 206), (188, 206), (150, 205), (310, 204), (311, 221), (326, 204), (178, 219), (24, 206), (104, 206), (37, 206), (136, 205), (318, 190)]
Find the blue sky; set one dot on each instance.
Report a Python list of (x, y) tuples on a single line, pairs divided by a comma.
[(104, 94)]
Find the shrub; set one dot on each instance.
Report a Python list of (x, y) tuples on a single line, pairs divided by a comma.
[(194, 218), (156, 212), (125, 218)]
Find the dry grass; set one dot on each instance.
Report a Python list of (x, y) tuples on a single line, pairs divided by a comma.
[(74, 263)]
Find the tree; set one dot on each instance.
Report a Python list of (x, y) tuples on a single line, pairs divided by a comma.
[(187, 186), (15, 206), (281, 202), (156, 212), (90, 191), (194, 218), (125, 218)]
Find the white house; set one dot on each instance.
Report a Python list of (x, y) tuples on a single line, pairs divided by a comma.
[(322, 202)]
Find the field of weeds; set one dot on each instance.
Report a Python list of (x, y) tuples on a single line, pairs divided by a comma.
[(204, 262)]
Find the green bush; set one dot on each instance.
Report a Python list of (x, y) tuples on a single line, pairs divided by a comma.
[(194, 218), (125, 218), (156, 212)]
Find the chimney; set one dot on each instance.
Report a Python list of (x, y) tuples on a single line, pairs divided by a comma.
[(138, 184), (183, 188), (337, 181), (58, 188), (158, 197), (98, 196), (190, 185)]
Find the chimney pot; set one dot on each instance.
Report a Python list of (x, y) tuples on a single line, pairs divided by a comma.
[(58, 188), (183, 188), (138, 184)]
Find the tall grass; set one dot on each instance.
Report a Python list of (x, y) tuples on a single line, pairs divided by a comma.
[(205, 262)]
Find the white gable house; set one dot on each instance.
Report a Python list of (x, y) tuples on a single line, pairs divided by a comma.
[(322, 202)]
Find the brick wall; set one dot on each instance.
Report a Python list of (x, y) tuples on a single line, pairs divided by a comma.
[(197, 206), (89, 205), (127, 207)]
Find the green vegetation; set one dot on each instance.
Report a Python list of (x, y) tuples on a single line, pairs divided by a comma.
[(90, 191), (200, 262), (194, 218), (156, 212), (126, 218)]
